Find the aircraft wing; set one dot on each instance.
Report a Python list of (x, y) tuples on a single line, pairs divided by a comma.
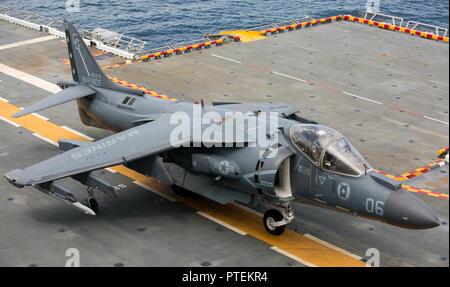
[(125, 147), (135, 143)]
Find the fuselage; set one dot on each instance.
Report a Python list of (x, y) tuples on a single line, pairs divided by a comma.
[(292, 172)]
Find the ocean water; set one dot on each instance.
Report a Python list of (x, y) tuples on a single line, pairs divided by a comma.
[(162, 22)]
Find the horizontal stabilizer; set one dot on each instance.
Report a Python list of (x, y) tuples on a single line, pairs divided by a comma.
[(62, 97)]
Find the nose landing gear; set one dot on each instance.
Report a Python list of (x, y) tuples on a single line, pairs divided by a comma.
[(275, 220)]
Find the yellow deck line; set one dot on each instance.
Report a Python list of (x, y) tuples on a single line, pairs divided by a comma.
[(37, 125), (291, 242), (250, 223)]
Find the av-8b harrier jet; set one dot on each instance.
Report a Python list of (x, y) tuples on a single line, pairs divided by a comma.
[(227, 152)]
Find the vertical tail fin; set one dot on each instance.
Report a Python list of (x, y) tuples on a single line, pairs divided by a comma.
[(85, 69)]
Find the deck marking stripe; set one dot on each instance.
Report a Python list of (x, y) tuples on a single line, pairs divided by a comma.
[(35, 81), (269, 70), (220, 222), (146, 187), (248, 209), (40, 116), (27, 42), (296, 258), (291, 242), (226, 59), (110, 170), (37, 115), (334, 247), (10, 122), (289, 77), (436, 120), (4, 100), (414, 189), (425, 192), (78, 133), (362, 98), (45, 139), (305, 81), (416, 128)]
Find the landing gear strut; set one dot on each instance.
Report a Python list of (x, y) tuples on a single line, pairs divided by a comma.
[(275, 220), (92, 202)]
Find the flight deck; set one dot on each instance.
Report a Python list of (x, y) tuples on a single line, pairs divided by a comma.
[(386, 91)]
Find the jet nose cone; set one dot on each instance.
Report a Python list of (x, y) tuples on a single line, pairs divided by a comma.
[(406, 210)]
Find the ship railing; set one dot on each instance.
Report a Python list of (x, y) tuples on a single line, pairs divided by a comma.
[(173, 46), (394, 20), (439, 31), (120, 41), (413, 25), (122, 46)]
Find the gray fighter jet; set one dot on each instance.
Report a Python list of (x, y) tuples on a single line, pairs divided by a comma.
[(300, 161)]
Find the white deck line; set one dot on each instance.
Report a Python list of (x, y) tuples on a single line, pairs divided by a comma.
[(218, 221), (27, 42), (146, 187), (10, 122), (362, 98), (37, 115), (436, 120), (289, 77), (298, 259), (77, 133), (45, 139), (331, 246), (32, 80), (110, 170), (4, 100), (40, 116), (226, 59)]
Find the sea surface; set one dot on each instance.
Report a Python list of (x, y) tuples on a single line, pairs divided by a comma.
[(162, 22)]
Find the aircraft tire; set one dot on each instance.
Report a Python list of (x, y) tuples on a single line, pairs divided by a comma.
[(273, 215)]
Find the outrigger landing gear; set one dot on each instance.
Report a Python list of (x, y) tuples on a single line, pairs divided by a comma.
[(275, 220), (92, 202)]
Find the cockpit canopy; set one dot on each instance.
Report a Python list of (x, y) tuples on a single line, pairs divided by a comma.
[(328, 149)]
